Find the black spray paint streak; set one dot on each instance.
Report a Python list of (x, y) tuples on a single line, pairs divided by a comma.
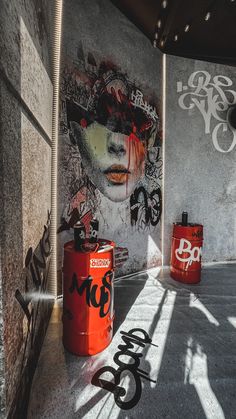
[(127, 348), (92, 297), (35, 275)]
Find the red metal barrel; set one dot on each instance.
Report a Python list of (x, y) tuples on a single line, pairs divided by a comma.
[(88, 298), (186, 253)]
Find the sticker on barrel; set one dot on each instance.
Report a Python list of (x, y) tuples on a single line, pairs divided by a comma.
[(100, 263)]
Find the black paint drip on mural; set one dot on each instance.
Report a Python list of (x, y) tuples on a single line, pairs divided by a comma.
[(35, 275), (130, 339), (91, 291), (146, 208)]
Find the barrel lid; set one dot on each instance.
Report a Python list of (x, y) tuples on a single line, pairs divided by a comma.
[(191, 231), (103, 245), (188, 225)]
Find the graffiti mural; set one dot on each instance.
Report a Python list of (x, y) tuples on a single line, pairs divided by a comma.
[(114, 141), (212, 96)]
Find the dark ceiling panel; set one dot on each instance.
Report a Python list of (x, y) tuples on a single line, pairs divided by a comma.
[(201, 29), (142, 13)]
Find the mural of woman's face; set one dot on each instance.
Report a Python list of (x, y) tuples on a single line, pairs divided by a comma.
[(112, 124), (113, 161)]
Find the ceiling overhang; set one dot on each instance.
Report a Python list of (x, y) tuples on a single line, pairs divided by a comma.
[(199, 29)]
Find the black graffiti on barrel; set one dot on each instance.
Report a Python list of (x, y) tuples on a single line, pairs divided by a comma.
[(92, 297), (130, 339), (198, 234), (145, 208)]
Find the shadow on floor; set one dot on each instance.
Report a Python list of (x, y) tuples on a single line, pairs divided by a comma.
[(124, 288), (186, 369), (197, 373)]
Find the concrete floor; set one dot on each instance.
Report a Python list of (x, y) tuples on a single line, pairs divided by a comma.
[(188, 370)]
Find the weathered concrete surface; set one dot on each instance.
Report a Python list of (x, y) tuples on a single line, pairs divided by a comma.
[(199, 178), (11, 238), (2, 372), (36, 86), (36, 186), (26, 198), (25, 131), (25, 57)]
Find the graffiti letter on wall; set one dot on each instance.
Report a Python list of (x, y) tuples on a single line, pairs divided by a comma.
[(35, 275), (212, 99)]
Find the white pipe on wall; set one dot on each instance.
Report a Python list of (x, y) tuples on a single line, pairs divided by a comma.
[(56, 52)]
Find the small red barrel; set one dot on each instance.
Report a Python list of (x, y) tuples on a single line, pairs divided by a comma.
[(88, 298), (186, 253)]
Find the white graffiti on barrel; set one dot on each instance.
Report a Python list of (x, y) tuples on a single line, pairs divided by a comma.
[(212, 99), (190, 254)]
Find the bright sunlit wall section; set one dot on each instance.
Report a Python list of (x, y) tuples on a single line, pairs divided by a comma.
[(163, 153)]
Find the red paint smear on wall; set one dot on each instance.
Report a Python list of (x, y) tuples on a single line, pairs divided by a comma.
[(79, 198), (136, 151), (77, 202)]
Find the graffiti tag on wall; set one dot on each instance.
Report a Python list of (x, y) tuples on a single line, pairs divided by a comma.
[(212, 96), (145, 207), (35, 276)]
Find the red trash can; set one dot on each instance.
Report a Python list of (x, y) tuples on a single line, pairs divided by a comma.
[(88, 298), (186, 252)]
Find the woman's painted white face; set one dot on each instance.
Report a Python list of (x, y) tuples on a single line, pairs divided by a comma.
[(113, 161)]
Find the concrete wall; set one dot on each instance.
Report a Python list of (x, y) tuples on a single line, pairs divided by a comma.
[(102, 51), (200, 152), (2, 377), (25, 163)]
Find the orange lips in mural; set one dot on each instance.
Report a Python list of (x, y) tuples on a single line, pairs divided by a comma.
[(117, 174)]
